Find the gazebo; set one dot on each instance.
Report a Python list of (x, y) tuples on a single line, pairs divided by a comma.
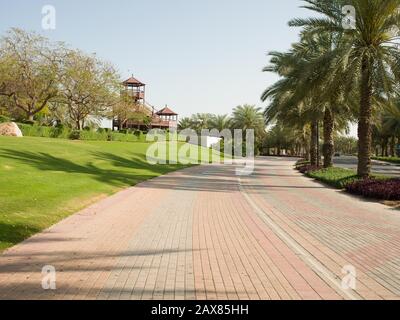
[(167, 118), (167, 114), (135, 89)]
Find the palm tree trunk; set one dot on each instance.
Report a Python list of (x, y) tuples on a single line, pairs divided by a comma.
[(364, 121), (314, 143), (328, 148), (393, 147)]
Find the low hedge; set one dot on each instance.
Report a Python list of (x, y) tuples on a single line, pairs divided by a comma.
[(308, 168), (377, 187), (395, 160), (4, 119), (86, 135)]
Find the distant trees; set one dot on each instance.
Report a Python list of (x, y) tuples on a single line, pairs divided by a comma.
[(41, 77), (30, 68), (243, 117), (88, 86)]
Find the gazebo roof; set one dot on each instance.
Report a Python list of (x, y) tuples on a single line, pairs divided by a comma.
[(133, 82), (166, 112)]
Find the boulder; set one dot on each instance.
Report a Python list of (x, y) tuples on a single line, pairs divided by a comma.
[(10, 129)]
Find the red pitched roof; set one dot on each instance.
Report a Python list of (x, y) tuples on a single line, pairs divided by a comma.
[(134, 82), (166, 112)]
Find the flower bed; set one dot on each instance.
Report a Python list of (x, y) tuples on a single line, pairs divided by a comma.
[(388, 189)]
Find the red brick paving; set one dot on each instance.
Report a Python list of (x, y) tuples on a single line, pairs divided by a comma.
[(202, 233)]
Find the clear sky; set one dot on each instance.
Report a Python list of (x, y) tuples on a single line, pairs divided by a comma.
[(194, 55)]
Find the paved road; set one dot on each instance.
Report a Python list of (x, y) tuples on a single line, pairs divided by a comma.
[(378, 167), (203, 233)]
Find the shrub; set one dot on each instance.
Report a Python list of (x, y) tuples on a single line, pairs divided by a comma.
[(395, 160), (4, 119), (75, 135), (301, 163), (28, 122), (388, 189), (93, 135), (308, 168), (62, 132)]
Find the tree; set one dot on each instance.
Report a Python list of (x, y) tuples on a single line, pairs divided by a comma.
[(89, 87), (221, 122), (126, 109), (30, 67), (306, 85), (201, 121), (249, 117), (185, 123), (367, 54)]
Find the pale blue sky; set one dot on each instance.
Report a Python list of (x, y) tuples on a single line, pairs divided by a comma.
[(194, 55)]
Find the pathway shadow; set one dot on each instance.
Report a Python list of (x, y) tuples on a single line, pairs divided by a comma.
[(76, 261)]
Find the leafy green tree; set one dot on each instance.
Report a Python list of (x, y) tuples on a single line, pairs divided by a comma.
[(30, 68), (89, 87)]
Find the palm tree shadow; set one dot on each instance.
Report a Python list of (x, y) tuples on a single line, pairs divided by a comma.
[(140, 168)]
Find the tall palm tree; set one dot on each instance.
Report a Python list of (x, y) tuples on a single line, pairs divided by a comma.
[(366, 57), (221, 122), (185, 123), (248, 117), (391, 124), (202, 121)]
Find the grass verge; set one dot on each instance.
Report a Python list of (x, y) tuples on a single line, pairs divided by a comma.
[(43, 180), (376, 187), (388, 159)]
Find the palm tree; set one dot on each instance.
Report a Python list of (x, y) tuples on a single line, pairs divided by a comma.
[(185, 123), (249, 117), (221, 122), (307, 84), (365, 57), (201, 121), (391, 124)]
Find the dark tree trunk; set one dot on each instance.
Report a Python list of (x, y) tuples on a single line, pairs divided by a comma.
[(393, 147), (328, 148), (314, 143), (364, 122), (384, 148)]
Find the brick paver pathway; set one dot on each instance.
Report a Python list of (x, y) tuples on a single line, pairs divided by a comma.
[(205, 233)]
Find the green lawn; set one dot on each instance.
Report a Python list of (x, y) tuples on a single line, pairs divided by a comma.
[(335, 177), (43, 180), (339, 177), (395, 160)]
